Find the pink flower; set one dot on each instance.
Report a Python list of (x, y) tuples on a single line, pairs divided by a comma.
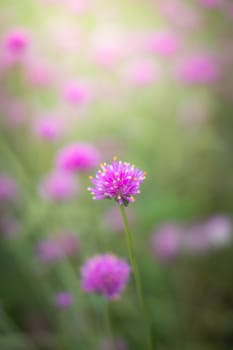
[(106, 275), (15, 44), (76, 93), (120, 181), (181, 13), (166, 242), (38, 74), (211, 3), (109, 46), (63, 300), (49, 127), (218, 230), (16, 41), (195, 240), (142, 72), (199, 69), (59, 186), (163, 43), (78, 157)]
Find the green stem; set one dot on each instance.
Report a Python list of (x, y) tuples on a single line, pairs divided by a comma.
[(109, 325), (136, 274)]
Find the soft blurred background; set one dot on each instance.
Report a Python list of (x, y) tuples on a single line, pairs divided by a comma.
[(150, 82)]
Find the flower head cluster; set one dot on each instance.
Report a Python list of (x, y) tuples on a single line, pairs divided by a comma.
[(77, 157), (106, 275), (16, 40), (119, 181)]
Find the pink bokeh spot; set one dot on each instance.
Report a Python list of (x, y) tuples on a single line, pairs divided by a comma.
[(165, 44), (76, 93), (199, 69)]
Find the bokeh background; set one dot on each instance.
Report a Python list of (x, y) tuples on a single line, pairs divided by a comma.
[(150, 82)]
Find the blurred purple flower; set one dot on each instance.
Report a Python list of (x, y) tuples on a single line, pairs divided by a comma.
[(8, 189), (166, 242), (106, 275), (199, 69), (211, 3), (181, 13), (48, 127), (15, 44), (59, 186), (38, 73), (78, 157), (63, 300), (108, 46), (58, 246), (218, 230), (119, 181), (76, 93), (142, 72), (16, 41), (195, 240), (164, 43)]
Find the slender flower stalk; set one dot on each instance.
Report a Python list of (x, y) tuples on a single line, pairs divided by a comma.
[(109, 324), (121, 181), (136, 274)]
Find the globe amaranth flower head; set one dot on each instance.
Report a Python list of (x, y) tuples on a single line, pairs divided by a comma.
[(106, 275), (77, 157), (119, 181)]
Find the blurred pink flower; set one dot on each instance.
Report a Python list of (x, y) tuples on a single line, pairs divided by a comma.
[(211, 3), (16, 41), (38, 74), (109, 46), (15, 45), (56, 247), (218, 230), (164, 43), (76, 93), (8, 189), (59, 186), (181, 13), (199, 69), (78, 157), (166, 242), (77, 6), (49, 127), (195, 240), (63, 299), (142, 72)]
